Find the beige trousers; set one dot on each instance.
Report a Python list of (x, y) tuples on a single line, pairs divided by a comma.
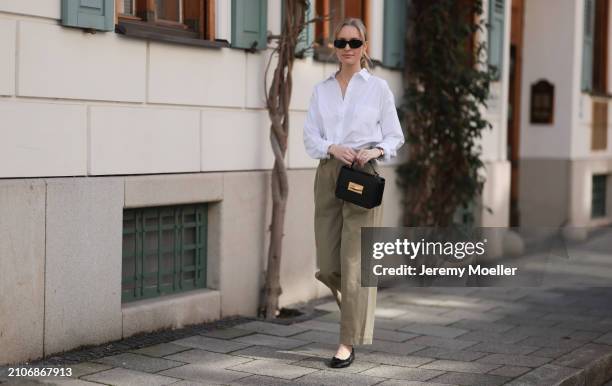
[(338, 244)]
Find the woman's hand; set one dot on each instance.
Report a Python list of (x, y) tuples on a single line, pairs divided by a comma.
[(343, 153), (364, 155)]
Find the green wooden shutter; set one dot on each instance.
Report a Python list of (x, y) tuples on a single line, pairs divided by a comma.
[(496, 36), (249, 23), (394, 33), (588, 45), (305, 39), (94, 14)]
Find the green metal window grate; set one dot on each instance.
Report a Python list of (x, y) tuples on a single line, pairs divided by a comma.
[(164, 250), (598, 198)]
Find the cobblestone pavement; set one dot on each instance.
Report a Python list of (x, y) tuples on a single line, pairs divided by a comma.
[(423, 336)]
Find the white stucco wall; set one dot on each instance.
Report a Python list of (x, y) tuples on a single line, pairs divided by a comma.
[(550, 52)]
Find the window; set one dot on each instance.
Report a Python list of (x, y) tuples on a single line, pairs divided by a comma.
[(599, 125), (164, 250), (332, 13), (598, 197), (496, 36), (182, 21), (595, 46), (600, 52)]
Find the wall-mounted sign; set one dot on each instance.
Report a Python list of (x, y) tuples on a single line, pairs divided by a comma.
[(542, 102)]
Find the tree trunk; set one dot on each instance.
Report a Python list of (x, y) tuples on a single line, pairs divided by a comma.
[(278, 101)]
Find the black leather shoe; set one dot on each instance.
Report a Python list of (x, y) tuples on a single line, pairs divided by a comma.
[(337, 363)]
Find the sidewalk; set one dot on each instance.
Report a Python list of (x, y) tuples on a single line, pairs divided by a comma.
[(423, 336)]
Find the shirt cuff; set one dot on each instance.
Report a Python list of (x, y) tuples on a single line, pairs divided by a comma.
[(387, 151), (324, 145)]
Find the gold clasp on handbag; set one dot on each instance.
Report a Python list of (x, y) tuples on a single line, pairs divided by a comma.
[(353, 187)]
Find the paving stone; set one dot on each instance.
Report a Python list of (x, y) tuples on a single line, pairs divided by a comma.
[(273, 369), (195, 383), (387, 312), (86, 368), (330, 317), (496, 337), (585, 336), (459, 366), (527, 321), (394, 382), (583, 356), (337, 378), (510, 371), (208, 357), (514, 360), (478, 325), (269, 340), (319, 325), (266, 352), (450, 344), (423, 318), (569, 316), (400, 372), (395, 348), (394, 359), (551, 352), (227, 333), (329, 306), (358, 365), (160, 350), (472, 315), (390, 324), (468, 379), (433, 330), (211, 344), (457, 355), (261, 380), (392, 336), (138, 362), (501, 348), (408, 306), (271, 328), (605, 339), (541, 331), (199, 371), (551, 341), (322, 350), (546, 375), (317, 336), (121, 376), (598, 326)]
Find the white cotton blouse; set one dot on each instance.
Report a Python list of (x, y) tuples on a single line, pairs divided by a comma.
[(366, 116)]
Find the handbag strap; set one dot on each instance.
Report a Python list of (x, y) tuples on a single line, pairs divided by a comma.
[(370, 161)]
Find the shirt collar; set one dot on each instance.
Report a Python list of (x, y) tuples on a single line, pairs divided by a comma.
[(365, 74)]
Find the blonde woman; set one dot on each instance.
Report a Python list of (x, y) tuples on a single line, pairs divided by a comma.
[(351, 118)]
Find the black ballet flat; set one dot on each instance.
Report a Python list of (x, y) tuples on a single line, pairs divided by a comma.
[(337, 363)]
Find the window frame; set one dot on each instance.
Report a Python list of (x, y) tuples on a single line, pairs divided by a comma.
[(600, 48), (144, 23)]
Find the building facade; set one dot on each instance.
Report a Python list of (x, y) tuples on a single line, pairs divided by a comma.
[(135, 163), (562, 153)]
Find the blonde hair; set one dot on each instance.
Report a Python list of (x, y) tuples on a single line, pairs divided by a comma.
[(357, 23)]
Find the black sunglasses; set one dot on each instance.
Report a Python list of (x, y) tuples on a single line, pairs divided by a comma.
[(353, 43)]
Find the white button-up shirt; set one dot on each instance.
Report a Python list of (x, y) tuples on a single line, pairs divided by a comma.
[(364, 118)]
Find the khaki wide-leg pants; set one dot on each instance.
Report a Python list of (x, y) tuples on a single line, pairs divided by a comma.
[(338, 245)]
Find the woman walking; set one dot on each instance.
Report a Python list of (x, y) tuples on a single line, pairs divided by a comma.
[(351, 118)]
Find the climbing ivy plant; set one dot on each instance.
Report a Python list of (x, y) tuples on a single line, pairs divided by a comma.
[(446, 86)]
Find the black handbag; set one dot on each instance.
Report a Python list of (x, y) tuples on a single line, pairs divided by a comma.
[(359, 187)]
